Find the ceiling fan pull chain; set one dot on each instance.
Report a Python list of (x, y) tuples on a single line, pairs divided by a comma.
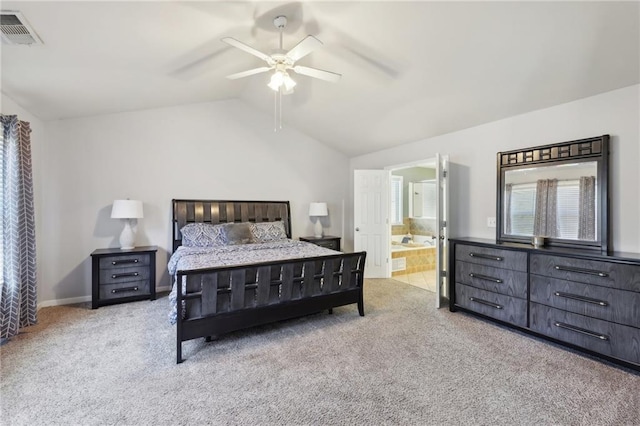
[(275, 111), (280, 96)]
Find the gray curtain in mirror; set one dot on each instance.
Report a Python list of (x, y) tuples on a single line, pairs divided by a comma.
[(507, 208), (18, 295), (545, 215), (587, 209)]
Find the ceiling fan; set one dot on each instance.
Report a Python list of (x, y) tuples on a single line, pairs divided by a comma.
[(282, 61)]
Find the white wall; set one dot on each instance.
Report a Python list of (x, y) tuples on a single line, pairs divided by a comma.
[(472, 154), (220, 150)]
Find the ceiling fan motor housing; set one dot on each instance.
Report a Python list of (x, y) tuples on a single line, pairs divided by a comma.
[(280, 21)]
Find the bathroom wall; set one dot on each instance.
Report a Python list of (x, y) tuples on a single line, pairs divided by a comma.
[(413, 225)]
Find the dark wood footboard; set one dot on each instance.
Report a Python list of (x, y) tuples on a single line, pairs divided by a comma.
[(224, 299)]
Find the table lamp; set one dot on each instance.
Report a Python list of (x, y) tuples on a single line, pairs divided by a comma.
[(127, 210), (318, 210)]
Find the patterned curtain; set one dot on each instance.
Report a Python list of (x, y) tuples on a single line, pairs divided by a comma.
[(546, 213), (18, 295), (508, 189), (587, 208)]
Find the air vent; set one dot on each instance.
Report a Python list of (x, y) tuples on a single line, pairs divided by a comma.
[(16, 30)]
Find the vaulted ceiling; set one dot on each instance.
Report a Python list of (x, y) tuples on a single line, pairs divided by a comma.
[(411, 70)]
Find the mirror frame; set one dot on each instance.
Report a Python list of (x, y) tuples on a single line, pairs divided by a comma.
[(590, 149)]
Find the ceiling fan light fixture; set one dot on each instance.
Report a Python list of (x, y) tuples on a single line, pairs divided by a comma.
[(289, 83), (277, 79), (281, 79)]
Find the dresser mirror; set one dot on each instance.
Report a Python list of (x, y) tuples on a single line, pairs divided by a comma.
[(558, 192)]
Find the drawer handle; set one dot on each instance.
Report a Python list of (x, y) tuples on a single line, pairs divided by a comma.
[(581, 298), (486, 256), (581, 331), (128, 274), (484, 302), (123, 289), (123, 262), (486, 278), (581, 271)]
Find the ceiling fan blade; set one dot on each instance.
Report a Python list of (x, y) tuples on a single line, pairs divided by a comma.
[(240, 45), (316, 73), (302, 49), (248, 73)]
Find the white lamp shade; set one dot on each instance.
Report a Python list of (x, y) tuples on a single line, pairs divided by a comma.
[(318, 209), (127, 209)]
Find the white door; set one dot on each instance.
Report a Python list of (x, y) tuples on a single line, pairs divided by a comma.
[(442, 228), (371, 220)]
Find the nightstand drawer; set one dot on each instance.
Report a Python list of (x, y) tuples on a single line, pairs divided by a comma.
[(109, 262), (332, 243), (118, 275), (128, 289)]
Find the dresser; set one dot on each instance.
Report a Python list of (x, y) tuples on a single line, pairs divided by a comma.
[(582, 299), (120, 276)]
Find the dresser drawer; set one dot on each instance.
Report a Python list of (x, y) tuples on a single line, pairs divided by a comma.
[(605, 303), (498, 280), (494, 305), (118, 275), (109, 262), (125, 289), (507, 259), (607, 338), (602, 273)]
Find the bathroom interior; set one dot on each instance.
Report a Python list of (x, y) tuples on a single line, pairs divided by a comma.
[(413, 226)]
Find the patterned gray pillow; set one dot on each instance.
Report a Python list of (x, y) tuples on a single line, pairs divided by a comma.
[(203, 235), (264, 232), (238, 233)]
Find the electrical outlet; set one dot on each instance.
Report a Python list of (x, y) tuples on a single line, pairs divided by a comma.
[(491, 222)]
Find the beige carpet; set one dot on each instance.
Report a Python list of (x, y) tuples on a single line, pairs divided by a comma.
[(403, 363)]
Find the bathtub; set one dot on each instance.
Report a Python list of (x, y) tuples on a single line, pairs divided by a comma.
[(412, 257), (419, 242)]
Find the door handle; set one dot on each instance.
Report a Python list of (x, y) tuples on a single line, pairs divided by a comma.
[(357, 229)]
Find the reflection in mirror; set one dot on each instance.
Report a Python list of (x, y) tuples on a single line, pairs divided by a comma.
[(556, 200), (423, 199)]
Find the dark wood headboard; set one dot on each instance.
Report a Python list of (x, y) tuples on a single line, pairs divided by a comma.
[(225, 211)]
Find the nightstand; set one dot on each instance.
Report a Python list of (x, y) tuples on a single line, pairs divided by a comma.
[(327, 241), (119, 276)]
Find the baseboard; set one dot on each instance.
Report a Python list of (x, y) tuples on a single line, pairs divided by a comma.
[(81, 299), (59, 302)]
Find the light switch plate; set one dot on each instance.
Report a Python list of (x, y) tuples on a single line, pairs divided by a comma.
[(491, 222)]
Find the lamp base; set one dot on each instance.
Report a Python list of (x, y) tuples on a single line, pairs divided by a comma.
[(318, 228), (128, 236)]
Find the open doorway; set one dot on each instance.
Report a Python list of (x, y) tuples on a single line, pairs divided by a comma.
[(413, 223), (379, 222)]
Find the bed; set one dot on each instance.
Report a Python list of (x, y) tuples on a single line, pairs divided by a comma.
[(225, 282)]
